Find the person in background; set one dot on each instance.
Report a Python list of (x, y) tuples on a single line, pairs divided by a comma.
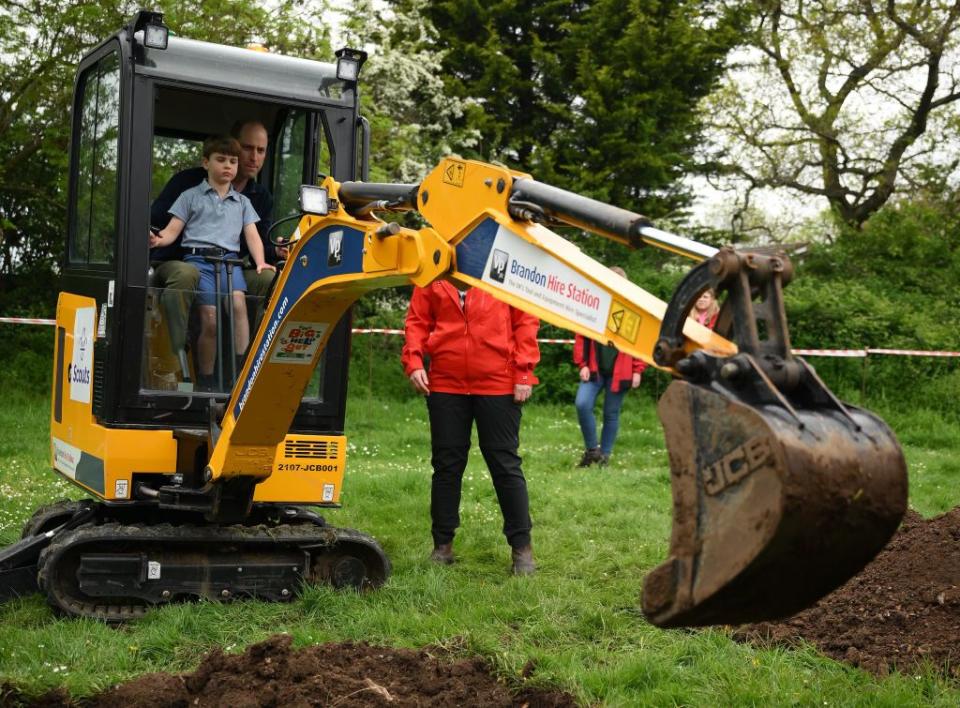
[(482, 354), (706, 309), (602, 368)]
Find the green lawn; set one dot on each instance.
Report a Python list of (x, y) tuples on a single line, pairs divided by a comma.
[(578, 620)]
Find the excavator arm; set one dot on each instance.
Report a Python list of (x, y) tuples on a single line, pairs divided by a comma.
[(780, 491)]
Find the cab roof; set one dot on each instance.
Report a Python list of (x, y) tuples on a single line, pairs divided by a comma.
[(245, 70)]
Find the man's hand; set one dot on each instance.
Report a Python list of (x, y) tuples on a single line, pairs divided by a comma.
[(636, 381), (521, 392), (264, 266), (154, 239), (283, 253), (584, 373), (421, 382)]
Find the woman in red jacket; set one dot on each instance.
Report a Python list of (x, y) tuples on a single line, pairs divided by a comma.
[(602, 368), (481, 358)]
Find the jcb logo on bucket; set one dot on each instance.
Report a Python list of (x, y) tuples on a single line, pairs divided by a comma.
[(733, 467)]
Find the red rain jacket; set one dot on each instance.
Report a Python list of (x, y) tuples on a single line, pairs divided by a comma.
[(484, 349), (624, 366)]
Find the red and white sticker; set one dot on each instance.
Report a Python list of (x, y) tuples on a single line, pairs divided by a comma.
[(298, 342)]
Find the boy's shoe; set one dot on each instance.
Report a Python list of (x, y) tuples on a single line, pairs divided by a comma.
[(523, 561), (590, 456), (604, 460), (443, 554)]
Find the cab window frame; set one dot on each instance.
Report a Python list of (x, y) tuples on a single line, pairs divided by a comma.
[(85, 258)]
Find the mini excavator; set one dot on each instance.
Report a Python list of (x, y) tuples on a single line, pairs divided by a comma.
[(781, 492)]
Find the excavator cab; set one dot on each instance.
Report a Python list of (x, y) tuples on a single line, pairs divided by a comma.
[(128, 418), (140, 116)]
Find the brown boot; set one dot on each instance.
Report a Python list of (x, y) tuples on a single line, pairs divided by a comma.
[(523, 561), (443, 554)]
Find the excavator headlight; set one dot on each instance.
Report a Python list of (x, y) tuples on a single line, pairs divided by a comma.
[(155, 36), (147, 29), (314, 200), (349, 62)]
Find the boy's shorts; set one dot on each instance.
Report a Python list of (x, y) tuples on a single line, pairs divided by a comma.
[(206, 290)]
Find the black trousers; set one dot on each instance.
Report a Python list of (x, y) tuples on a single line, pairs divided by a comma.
[(498, 428)]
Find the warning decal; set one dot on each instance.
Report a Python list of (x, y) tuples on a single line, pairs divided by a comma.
[(453, 171), (624, 321)]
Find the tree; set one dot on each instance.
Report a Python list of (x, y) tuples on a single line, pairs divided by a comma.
[(598, 96), (414, 120), (641, 69), (41, 43), (836, 99)]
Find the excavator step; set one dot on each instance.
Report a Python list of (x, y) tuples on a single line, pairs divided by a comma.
[(115, 572)]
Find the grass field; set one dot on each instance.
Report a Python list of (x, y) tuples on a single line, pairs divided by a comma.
[(578, 620)]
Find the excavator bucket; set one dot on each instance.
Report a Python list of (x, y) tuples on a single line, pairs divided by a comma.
[(769, 513), (780, 492)]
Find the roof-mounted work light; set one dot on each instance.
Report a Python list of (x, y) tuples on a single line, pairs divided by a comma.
[(148, 29), (349, 62)]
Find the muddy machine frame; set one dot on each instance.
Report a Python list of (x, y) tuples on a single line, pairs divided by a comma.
[(780, 491)]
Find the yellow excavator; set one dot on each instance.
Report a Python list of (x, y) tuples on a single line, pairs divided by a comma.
[(780, 491)]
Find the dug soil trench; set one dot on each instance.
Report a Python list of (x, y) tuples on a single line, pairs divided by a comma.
[(349, 675), (901, 612)]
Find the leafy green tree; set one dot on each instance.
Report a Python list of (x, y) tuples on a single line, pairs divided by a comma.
[(41, 43), (598, 96), (839, 99), (414, 120)]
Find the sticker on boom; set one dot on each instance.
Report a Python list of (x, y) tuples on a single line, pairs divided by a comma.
[(298, 342), (623, 321), (753, 455), (453, 172)]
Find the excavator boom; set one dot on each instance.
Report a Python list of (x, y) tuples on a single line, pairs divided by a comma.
[(781, 492)]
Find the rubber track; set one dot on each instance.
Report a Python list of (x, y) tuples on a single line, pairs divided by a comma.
[(57, 512), (302, 536)]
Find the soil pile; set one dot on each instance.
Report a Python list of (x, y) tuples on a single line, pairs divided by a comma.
[(901, 611), (344, 675)]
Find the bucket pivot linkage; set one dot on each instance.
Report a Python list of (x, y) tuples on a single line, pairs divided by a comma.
[(780, 491)]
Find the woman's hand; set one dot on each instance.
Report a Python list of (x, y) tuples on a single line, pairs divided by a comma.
[(420, 381)]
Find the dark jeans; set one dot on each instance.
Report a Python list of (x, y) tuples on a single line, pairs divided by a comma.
[(498, 428)]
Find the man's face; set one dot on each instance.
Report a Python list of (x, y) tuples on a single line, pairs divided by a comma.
[(253, 150)]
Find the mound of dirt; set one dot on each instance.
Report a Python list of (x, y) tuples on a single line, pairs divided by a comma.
[(344, 675), (901, 611)]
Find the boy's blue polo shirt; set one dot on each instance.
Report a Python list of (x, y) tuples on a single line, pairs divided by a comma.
[(259, 197), (210, 220)]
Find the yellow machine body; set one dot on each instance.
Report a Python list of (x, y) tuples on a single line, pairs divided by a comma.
[(304, 468)]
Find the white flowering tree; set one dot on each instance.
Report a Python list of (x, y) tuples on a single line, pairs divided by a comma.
[(413, 119)]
